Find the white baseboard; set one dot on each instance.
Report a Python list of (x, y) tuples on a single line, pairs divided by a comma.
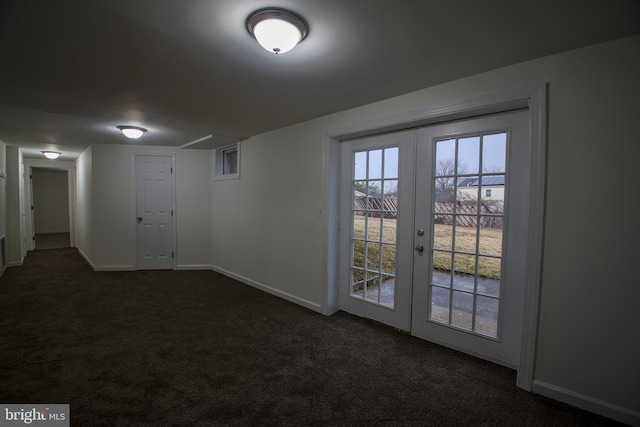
[(14, 264), (86, 259), (105, 267), (284, 295), (588, 403), (194, 267)]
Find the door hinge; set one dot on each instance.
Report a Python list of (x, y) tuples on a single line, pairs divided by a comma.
[(171, 255), (171, 212), (171, 170), (33, 238)]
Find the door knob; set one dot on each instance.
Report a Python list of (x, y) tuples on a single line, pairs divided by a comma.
[(139, 219), (419, 248)]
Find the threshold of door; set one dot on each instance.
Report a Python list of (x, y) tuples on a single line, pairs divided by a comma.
[(377, 323)]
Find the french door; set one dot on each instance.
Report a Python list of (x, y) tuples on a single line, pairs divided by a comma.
[(433, 232), (377, 197)]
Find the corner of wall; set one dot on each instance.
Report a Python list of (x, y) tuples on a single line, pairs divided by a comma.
[(587, 403)]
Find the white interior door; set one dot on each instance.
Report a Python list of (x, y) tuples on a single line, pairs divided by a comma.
[(154, 209), (472, 192), (376, 227)]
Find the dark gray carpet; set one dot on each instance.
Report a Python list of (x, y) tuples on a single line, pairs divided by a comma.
[(52, 241), (194, 348)]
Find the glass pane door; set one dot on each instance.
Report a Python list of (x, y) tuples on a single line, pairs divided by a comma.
[(433, 232), (374, 231), (471, 204), (467, 218), (376, 227)]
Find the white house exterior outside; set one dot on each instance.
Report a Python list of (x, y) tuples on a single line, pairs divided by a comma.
[(491, 190)]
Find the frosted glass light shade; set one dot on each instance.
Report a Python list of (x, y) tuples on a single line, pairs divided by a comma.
[(277, 30), (132, 132), (277, 36), (51, 154)]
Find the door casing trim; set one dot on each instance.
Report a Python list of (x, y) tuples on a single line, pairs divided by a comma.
[(532, 97)]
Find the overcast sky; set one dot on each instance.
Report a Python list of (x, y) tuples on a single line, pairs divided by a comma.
[(494, 149)]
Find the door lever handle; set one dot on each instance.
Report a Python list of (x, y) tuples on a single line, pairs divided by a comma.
[(419, 249), (139, 219)]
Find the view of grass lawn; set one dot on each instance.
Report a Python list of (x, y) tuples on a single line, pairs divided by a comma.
[(377, 231), (490, 243)]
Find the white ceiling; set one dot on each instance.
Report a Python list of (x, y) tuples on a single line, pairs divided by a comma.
[(72, 70)]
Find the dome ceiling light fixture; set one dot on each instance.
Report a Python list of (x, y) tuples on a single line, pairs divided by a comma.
[(277, 30), (133, 132), (51, 154)]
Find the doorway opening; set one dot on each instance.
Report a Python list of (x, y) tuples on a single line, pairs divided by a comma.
[(51, 217)]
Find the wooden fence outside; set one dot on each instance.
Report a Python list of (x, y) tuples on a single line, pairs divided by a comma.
[(491, 215), (376, 206)]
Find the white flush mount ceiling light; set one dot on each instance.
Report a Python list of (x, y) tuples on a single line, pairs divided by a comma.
[(133, 132), (51, 154), (277, 30)]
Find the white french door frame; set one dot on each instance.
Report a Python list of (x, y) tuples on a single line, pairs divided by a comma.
[(173, 203), (535, 100)]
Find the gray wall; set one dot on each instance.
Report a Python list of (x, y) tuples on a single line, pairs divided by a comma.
[(16, 234), (84, 204), (50, 200), (106, 233), (3, 200)]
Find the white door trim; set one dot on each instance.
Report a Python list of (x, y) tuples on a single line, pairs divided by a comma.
[(173, 202), (535, 98)]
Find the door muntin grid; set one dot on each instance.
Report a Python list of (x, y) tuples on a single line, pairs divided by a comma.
[(374, 233), (466, 250)]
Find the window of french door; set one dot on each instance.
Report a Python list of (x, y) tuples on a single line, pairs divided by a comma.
[(374, 216), (466, 250)]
